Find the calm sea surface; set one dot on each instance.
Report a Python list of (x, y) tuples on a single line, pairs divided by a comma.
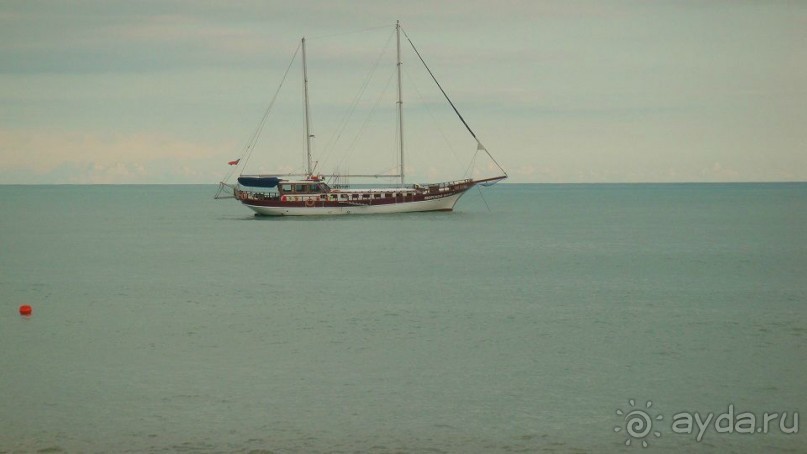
[(166, 321)]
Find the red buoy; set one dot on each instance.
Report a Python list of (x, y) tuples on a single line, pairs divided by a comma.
[(25, 310)]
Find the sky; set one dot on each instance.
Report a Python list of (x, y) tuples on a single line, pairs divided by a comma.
[(169, 91)]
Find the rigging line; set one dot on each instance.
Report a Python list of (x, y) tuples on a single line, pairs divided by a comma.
[(449, 101), (440, 87), (504, 172), (229, 173), (334, 141), (331, 35), (386, 173), (352, 145), (254, 139), (480, 146), (471, 165), (483, 198), (435, 123)]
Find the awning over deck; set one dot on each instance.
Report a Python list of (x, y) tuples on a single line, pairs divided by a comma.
[(259, 182)]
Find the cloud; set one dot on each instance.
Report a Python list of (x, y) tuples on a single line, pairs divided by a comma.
[(526, 171), (100, 38), (37, 156), (717, 172)]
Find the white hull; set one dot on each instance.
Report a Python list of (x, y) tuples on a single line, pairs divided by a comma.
[(437, 204)]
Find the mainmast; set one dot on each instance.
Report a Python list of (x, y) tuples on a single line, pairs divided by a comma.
[(307, 119), (400, 101)]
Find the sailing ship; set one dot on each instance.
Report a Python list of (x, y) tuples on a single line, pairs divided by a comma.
[(312, 193)]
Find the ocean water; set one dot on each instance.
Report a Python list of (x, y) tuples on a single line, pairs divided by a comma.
[(166, 321)]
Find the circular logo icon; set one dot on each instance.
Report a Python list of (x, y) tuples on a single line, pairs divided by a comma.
[(638, 423)]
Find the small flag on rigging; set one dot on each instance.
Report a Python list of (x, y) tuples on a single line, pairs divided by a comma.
[(234, 163)]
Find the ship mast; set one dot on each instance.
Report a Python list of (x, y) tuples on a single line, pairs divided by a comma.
[(307, 118), (400, 101)]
